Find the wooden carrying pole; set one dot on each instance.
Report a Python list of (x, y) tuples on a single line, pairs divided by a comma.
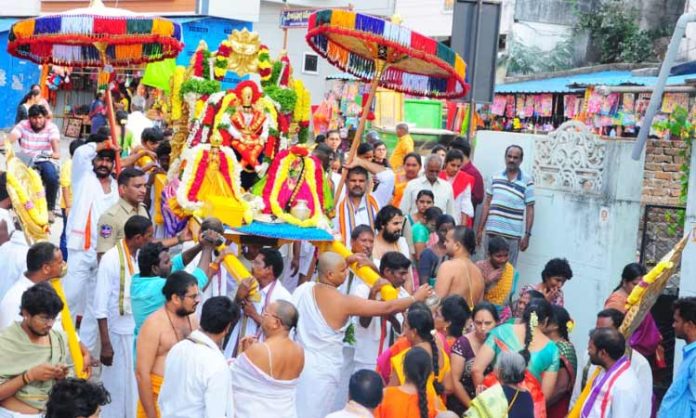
[(379, 67), (112, 124), (109, 102)]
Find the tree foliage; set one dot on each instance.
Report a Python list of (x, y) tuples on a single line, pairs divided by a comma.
[(614, 31), (523, 59)]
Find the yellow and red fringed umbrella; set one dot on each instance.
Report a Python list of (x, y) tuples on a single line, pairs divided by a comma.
[(101, 37), (95, 36), (385, 53)]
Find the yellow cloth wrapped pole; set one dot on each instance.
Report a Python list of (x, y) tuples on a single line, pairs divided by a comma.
[(240, 273), (367, 275), (577, 408), (70, 332)]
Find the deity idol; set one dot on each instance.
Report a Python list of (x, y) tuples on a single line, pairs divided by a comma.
[(294, 189), (248, 129)]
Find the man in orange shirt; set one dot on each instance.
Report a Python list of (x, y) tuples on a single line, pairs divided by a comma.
[(404, 146)]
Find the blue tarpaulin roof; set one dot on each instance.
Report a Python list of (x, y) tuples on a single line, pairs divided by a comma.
[(568, 84)]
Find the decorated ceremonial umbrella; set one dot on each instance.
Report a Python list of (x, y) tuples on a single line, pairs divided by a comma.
[(386, 54), (95, 36)]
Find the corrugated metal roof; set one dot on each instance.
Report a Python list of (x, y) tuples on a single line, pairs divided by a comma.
[(578, 82)]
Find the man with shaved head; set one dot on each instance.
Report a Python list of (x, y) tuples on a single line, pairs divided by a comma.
[(324, 313), (264, 376)]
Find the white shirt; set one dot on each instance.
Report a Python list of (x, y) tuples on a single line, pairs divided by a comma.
[(106, 293), (442, 190), (137, 122), (6, 215), (335, 179), (88, 195), (462, 203), (367, 339), (384, 193), (10, 305), (252, 328), (13, 260), (352, 410), (196, 380), (642, 371), (624, 398)]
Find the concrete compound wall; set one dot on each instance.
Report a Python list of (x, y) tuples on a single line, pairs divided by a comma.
[(567, 217)]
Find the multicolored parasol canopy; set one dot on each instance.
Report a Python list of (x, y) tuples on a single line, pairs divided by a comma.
[(415, 64), (95, 36)]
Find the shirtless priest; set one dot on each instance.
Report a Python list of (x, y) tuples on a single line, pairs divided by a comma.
[(324, 313), (459, 275), (161, 330)]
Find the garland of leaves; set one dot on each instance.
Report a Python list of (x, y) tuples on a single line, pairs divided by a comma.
[(200, 86), (286, 98)]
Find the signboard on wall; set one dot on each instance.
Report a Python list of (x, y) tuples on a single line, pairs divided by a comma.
[(295, 18)]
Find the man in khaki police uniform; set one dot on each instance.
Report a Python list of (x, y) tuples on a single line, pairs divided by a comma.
[(132, 188)]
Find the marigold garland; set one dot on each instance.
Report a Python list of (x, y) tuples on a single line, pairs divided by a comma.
[(222, 59), (282, 177), (222, 113), (264, 64), (302, 111), (270, 108), (33, 202), (638, 291), (176, 95)]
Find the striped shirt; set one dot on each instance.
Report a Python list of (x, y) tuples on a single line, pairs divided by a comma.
[(508, 203), (33, 143)]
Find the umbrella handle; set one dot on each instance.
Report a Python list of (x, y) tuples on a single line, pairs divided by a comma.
[(101, 47), (112, 123), (380, 66)]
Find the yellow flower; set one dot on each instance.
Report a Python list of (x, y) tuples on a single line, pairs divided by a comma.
[(570, 326), (176, 103)]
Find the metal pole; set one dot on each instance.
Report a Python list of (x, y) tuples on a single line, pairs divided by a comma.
[(472, 98), (656, 97)]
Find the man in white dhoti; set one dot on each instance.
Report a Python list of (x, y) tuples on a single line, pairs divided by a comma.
[(112, 309), (265, 375), (324, 313), (375, 335), (94, 191), (196, 378), (266, 268)]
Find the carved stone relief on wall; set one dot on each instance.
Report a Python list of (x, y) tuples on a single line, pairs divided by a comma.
[(570, 158)]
